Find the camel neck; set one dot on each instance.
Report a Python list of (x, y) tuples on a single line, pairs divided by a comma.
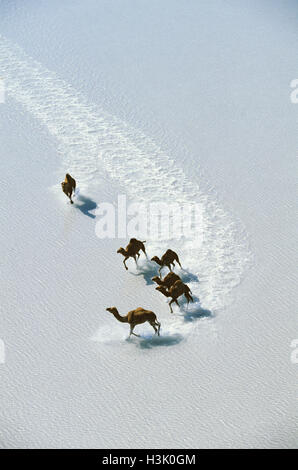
[(120, 318)]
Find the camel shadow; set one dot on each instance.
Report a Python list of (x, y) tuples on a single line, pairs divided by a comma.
[(193, 312), (186, 276), (86, 206), (149, 342), (146, 269)]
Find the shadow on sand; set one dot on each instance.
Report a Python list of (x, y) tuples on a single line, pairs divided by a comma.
[(194, 311), (186, 276), (86, 206), (154, 341)]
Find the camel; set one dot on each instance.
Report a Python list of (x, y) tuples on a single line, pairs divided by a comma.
[(132, 250), (167, 259), (136, 317), (69, 186), (175, 291), (168, 281)]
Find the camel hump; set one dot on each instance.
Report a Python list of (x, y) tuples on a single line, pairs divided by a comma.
[(134, 240), (171, 276), (179, 283), (141, 310), (170, 254)]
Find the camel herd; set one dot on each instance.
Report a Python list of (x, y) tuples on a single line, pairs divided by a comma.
[(170, 286)]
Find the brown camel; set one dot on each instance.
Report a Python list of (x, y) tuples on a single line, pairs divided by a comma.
[(69, 186), (175, 291), (132, 250), (168, 281), (136, 317), (167, 259)]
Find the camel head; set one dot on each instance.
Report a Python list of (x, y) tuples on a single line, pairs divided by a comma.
[(163, 291), (121, 251), (156, 259), (157, 280), (112, 310)]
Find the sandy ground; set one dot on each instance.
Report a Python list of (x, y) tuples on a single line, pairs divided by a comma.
[(186, 103)]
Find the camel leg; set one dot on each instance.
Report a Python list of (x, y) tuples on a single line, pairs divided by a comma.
[(188, 297), (132, 333), (170, 305), (158, 326), (135, 258), (177, 259), (125, 263)]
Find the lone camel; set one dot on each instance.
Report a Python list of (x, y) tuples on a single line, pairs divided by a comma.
[(136, 317), (175, 291), (69, 186), (132, 250), (167, 259)]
